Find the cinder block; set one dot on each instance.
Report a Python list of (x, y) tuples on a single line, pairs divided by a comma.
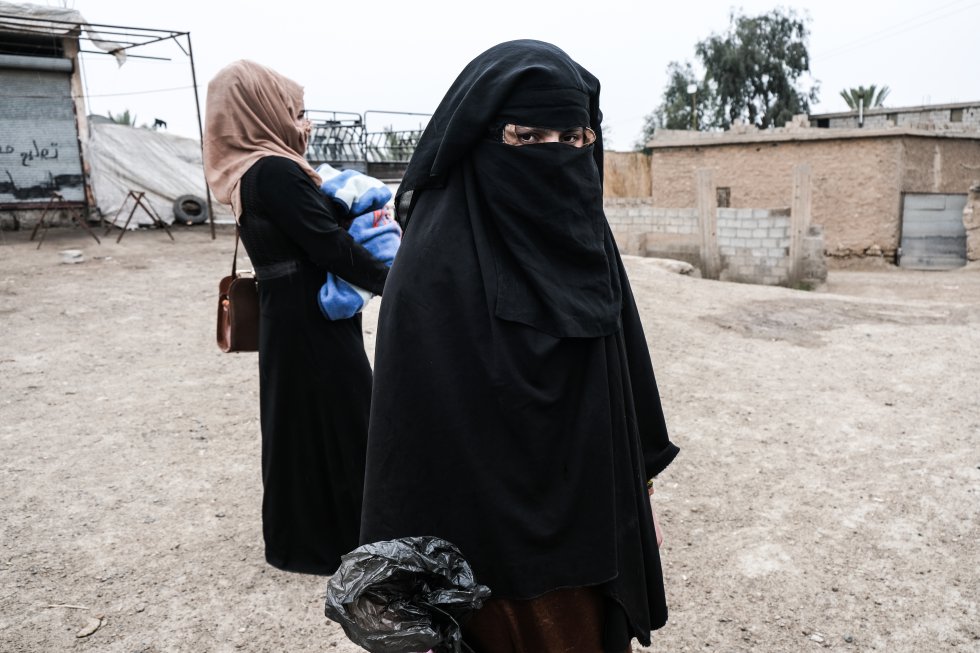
[(760, 233)]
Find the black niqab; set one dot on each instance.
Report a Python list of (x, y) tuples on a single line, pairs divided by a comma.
[(539, 208), (515, 411)]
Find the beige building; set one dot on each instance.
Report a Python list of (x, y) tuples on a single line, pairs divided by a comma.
[(956, 117), (864, 180)]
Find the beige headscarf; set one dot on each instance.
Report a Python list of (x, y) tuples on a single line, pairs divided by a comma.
[(252, 112)]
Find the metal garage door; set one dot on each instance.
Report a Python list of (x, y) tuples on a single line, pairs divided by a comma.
[(933, 235), (38, 134)]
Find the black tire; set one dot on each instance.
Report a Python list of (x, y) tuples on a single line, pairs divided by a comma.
[(190, 209)]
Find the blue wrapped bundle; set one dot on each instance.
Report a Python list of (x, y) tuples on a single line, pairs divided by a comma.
[(381, 236)]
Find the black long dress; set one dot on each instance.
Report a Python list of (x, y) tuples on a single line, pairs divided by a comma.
[(515, 410), (314, 375)]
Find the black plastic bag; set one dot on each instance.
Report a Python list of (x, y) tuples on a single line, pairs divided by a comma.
[(404, 596)]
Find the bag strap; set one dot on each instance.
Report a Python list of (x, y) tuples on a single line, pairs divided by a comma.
[(234, 260)]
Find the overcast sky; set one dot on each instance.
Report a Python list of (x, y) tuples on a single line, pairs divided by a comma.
[(401, 56)]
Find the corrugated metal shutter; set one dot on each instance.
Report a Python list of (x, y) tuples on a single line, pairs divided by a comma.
[(933, 234), (38, 132)]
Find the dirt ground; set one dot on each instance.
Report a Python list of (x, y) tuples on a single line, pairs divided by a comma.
[(827, 494)]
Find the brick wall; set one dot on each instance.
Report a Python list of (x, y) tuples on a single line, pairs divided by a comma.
[(968, 117), (857, 182), (626, 174), (971, 220), (939, 166)]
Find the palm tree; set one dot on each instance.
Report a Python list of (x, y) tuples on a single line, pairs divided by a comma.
[(123, 118), (872, 96)]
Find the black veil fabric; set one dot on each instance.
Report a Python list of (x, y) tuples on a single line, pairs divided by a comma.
[(542, 206), (515, 411), (485, 90)]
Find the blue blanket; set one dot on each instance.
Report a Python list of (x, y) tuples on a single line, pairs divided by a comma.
[(355, 192), (381, 236)]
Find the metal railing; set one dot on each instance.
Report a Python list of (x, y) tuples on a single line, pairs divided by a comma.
[(350, 140), (337, 138)]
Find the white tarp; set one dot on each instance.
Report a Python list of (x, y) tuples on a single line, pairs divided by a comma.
[(23, 17), (164, 166)]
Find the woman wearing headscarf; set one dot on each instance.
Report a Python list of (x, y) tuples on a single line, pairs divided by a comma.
[(314, 375), (515, 411)]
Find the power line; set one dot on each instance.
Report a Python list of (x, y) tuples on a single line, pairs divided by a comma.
[(87, 95), (146, 92), (895, 30)]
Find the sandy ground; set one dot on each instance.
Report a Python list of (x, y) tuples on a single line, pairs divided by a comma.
[(827, 494)]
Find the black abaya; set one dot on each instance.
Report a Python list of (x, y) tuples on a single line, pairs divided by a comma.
[(314, 376), (515, 411)]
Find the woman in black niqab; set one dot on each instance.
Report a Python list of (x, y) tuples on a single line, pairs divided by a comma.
[(515, 411)]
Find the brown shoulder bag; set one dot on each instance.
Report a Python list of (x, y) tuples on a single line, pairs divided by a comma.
[(238, 309)]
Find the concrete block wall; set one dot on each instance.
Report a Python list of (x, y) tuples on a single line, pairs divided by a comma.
[(753, 243), (642, 229)]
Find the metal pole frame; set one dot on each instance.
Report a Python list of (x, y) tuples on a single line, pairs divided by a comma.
[(200, 131)]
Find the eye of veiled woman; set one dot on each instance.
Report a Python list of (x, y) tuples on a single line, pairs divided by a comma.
[(528, 135)]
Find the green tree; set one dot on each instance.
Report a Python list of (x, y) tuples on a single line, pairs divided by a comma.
[(755, 68), (872, 96), (676, 108)]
